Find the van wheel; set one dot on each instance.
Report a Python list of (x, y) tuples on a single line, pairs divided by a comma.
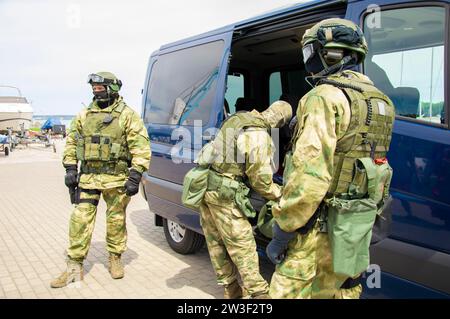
[(181, 239)]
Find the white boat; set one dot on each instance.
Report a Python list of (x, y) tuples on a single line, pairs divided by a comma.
[(15, 111)]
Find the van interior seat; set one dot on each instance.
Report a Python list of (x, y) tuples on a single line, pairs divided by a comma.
[(406, 101)]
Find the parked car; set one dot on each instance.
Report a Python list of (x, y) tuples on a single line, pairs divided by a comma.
[(250, 64)]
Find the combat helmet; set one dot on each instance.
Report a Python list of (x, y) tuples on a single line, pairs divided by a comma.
[(335, 41), (105, 78), (110, 82)]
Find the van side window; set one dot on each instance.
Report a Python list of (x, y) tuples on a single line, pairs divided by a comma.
[(407, 60), (275, 90), (289, 86), (235, 90), (183, 85)]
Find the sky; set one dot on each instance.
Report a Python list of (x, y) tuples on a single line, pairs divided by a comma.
[(48, 47)]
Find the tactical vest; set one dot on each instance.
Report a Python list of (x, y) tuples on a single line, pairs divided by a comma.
[(368, 134), (229, 161), (102, 147)]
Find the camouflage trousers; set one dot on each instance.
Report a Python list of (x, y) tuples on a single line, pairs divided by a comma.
[(307, 271), (82, 222), (231, 246)]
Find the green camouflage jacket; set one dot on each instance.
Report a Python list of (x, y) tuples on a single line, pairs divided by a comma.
[(137, 140)]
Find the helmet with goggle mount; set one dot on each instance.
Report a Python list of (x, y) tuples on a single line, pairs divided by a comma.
[(107, 79), (333, 40)]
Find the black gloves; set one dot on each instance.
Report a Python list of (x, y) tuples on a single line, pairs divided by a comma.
[(132, 184), (71, 178)]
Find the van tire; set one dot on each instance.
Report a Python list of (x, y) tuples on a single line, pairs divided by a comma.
[(187, 243)]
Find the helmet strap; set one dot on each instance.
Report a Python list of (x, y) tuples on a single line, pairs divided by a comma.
[(335, 68)]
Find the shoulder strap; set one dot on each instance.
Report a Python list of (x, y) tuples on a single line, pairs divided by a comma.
[(120, 106)]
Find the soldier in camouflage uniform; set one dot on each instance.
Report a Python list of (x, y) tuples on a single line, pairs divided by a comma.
[(245, 151), (109, 141), (343, 118)]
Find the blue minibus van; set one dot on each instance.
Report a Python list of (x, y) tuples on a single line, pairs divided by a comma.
[(250, 64)]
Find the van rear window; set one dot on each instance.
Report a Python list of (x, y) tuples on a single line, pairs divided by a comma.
[(183, 85)]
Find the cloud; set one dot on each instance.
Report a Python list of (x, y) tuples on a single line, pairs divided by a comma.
[(47, 48)]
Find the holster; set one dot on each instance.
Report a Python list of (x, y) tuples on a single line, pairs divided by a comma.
[(74, 193)]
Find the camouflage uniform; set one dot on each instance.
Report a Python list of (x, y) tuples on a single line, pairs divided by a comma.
[(312, 173), (228, 233), (107, 150), (110, 186), (307, 178)]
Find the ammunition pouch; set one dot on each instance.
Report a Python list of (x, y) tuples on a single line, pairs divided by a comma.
[(242, 200), (101, 167), (99, 148), (99, 154), (232, 189)]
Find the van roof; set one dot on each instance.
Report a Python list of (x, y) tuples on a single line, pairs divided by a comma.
[(262, 18)]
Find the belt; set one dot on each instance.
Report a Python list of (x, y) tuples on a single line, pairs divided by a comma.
[(216, 180), (312, 221)]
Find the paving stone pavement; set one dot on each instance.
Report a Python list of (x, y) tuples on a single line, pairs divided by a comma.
[(34, 220)]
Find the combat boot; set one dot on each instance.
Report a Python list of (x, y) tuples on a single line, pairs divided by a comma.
[(233, 291), (73, 273), (115, 266)]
